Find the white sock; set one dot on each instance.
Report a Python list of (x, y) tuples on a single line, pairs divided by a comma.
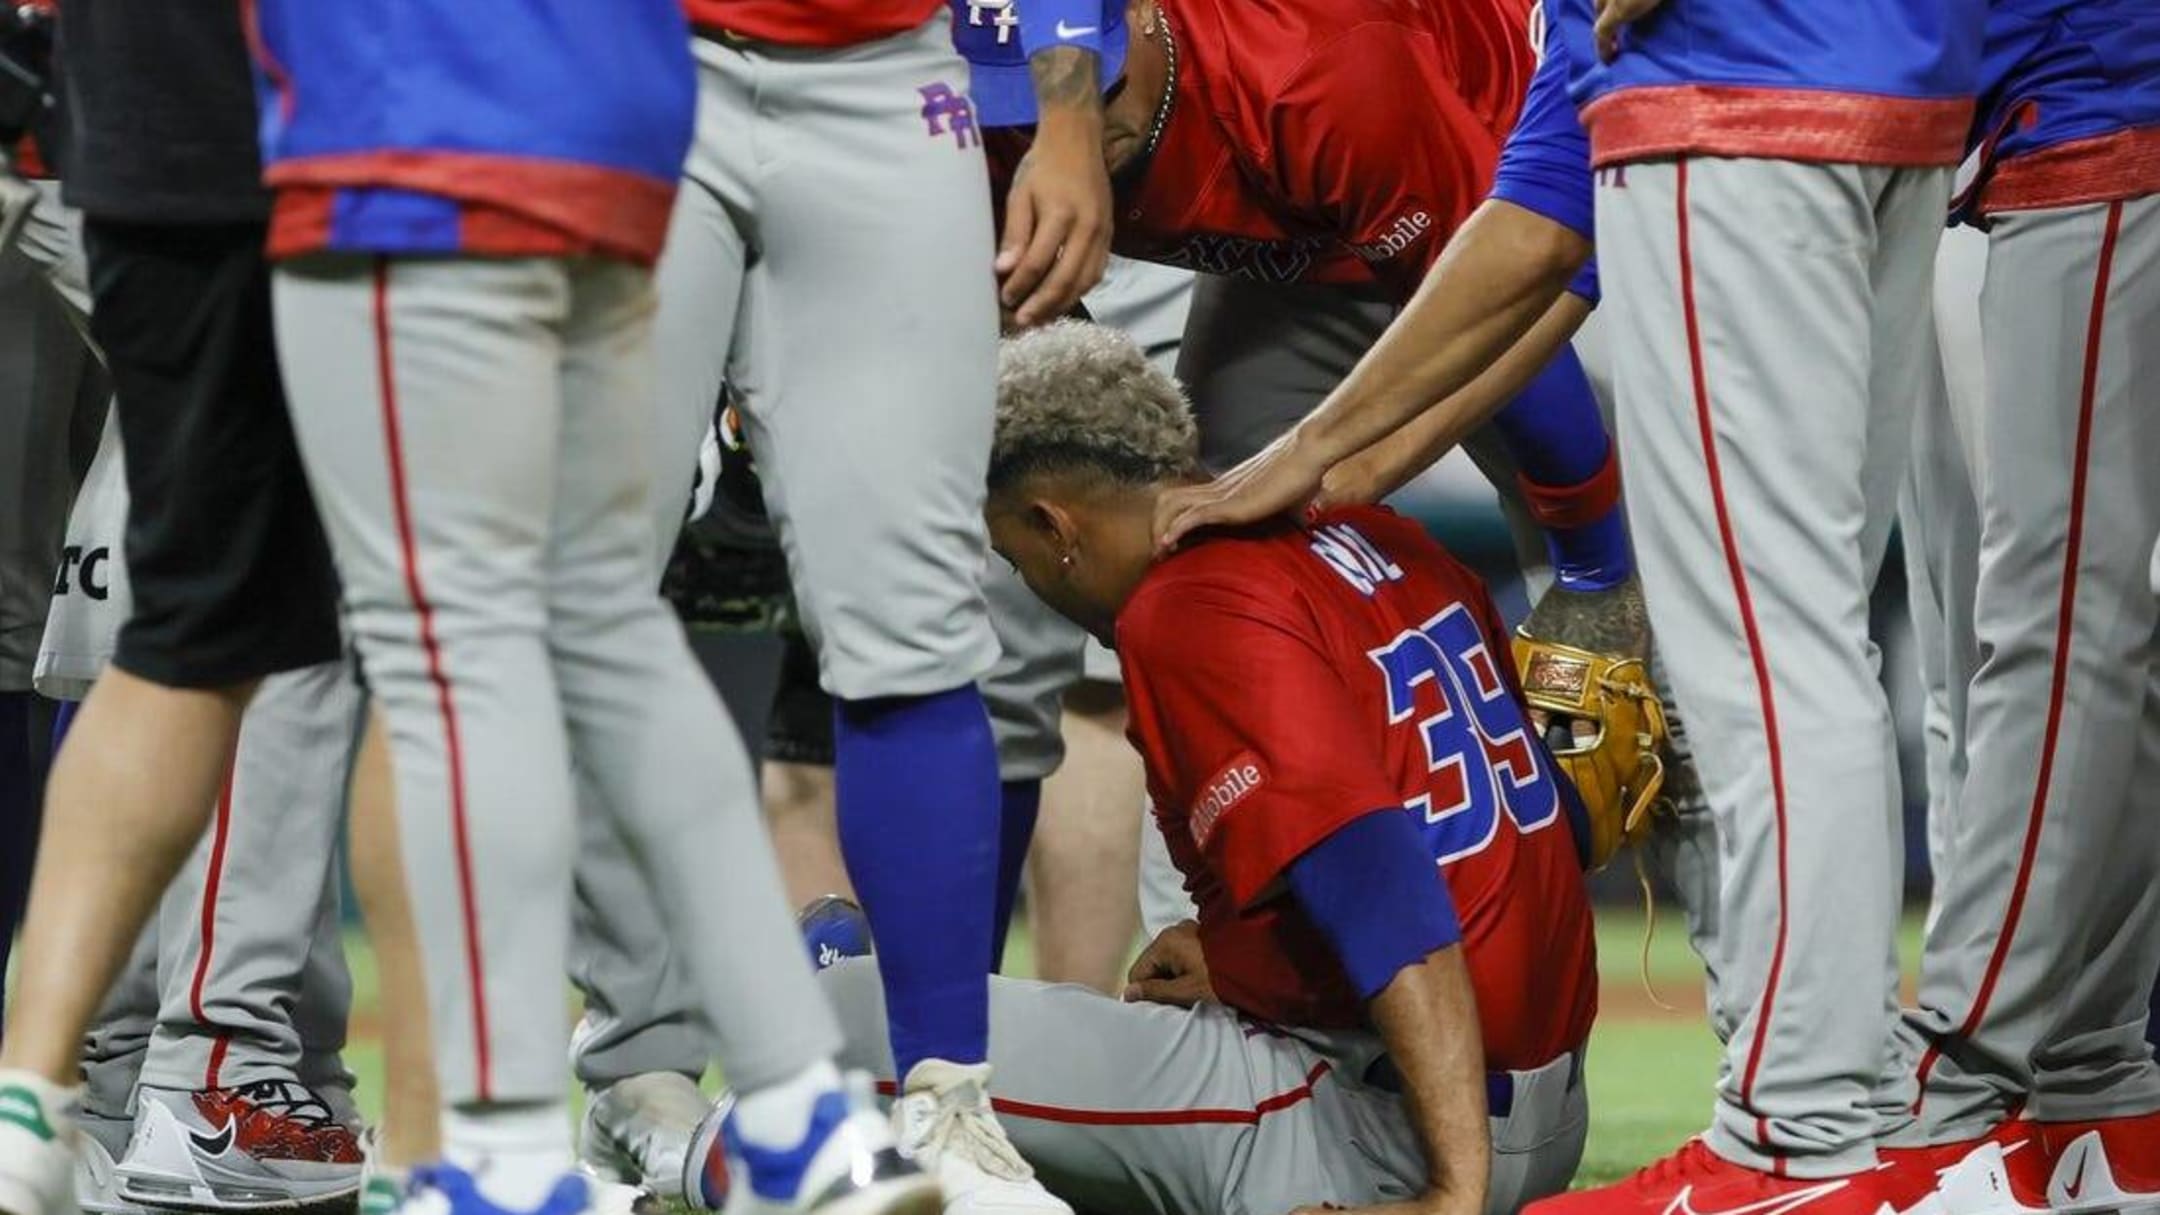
[(778, 1115), (61, 1105), (515, 1153)]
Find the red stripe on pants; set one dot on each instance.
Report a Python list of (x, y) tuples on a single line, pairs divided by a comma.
[(220, 834), (1746, 604), (460, 837), (2073, 546)]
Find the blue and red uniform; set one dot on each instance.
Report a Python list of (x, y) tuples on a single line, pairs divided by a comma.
[(1288, 682), (476, 128), (999, 37), (1877, 82), (2069, 104)]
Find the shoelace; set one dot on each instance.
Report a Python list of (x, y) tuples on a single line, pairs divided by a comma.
[(967, 1126)]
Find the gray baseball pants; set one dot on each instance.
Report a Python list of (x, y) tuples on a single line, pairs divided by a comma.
[(1206, 1112), (2046, 936), (829, 259), (1775, 333), (477, 436)]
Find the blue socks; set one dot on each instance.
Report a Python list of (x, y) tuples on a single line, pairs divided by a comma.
[(918, 795), (1022, 801), (1568, 476)]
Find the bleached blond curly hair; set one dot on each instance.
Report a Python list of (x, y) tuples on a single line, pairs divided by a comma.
[(1078, 397)]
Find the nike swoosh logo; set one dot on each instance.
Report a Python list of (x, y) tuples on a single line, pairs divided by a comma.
[(2077, 1182), (1769, 1206), (214, 1145), (1065, 31)]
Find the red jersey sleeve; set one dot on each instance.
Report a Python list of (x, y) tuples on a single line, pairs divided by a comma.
[(1372, 139), (1255, 731)]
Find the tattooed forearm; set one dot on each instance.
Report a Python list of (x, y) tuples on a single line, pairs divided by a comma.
[(1066, 76), (1603, 622)]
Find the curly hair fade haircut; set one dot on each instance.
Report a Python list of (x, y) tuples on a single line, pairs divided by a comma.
[(1077, 397)]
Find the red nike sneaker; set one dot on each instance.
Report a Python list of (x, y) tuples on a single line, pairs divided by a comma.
[(2005, 1173), (271, 1144), (2109, 1165), (1697, 1181)]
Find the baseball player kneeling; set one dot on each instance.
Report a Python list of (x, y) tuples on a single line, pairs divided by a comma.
[(1386, 993)]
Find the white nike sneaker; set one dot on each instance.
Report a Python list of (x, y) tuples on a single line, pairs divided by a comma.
[(97, 1179), (847, 1163), (38, 1138), (946, 1125), (639, 1130), (269, 1146)]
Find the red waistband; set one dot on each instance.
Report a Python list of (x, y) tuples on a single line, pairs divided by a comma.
[(622, 213), (2100, 168), (1775, 124)]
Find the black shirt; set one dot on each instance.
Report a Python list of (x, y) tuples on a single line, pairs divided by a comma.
[(161, 105)]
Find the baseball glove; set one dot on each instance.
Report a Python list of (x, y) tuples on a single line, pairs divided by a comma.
[(1607, 734)]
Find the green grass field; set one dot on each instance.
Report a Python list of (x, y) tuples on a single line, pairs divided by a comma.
[(1651, 1070)]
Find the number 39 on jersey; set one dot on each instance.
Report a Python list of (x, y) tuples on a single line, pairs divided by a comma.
[(1478, 747)]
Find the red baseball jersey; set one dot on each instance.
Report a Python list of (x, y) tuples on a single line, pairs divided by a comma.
[(1288, 680), (811, 22), (1337, 141)]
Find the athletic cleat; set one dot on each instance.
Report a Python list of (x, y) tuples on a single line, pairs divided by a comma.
[(846, 1164), (947, 1126), (1697, 1181), (834, 928), (97, 1178), (638, 1131), (2109, 1165), (268, 1146), (38, 1141)]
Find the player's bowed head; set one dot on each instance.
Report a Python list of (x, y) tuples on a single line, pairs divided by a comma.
[(1089, 432)]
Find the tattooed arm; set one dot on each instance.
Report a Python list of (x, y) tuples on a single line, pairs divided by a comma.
[(1057, 216)]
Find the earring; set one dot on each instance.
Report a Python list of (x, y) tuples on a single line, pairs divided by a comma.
[(1066, 560)]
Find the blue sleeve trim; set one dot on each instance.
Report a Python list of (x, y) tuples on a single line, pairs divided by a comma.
[(1377, 895), (1585, 283), (1047, 24), (1545, 165)]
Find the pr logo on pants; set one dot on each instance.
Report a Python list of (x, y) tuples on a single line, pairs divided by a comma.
[(946, 111)]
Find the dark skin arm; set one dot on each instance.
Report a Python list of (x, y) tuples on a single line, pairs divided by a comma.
[(1057, 214), (1427, 1015)]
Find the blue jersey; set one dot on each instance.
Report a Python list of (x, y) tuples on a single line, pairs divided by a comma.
[(1545, 164), (1886, 82), (2069, 104), (997, 37), (474, 126)]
